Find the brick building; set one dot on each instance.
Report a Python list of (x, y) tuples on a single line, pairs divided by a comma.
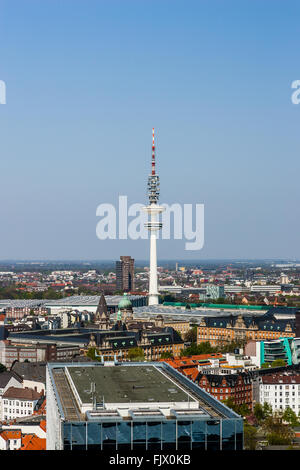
[(235, 386)]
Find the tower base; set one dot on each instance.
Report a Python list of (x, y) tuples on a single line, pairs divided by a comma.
[(153, 299)]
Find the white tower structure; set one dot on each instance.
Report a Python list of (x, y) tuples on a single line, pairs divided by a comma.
[(153, 209)]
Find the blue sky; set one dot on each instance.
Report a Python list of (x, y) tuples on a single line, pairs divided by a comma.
[(86, 82)]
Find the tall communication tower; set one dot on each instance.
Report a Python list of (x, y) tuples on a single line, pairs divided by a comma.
[(153, 209)]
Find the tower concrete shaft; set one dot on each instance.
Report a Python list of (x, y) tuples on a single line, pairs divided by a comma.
[(153, 226), (153, 209)]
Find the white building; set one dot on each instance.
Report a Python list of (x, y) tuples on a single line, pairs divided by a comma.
[(7, 380), (18, 403), (281, 391)]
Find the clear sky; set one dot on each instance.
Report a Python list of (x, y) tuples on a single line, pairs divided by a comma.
[(86, 82)]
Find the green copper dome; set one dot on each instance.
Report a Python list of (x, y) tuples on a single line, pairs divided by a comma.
[(125, 302)]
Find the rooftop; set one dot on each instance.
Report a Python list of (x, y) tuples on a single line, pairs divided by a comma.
[(125, 384), (282, 378), (112, 390)]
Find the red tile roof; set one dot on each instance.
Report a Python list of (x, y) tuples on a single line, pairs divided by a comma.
[(281, 378), (21, 393), (13, 434), (43, 425), (32, 442)]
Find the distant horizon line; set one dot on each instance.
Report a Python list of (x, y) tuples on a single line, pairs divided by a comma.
[(176, 260)]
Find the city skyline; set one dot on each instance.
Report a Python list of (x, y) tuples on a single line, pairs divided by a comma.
[(214, 81)]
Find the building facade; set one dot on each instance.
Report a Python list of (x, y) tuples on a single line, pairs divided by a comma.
[(237, 386)]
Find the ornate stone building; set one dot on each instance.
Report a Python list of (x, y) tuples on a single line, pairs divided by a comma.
[(222, 330), (149, 335)]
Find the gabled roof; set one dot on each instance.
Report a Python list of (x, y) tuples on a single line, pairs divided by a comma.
[(35, 371), (6, 376)]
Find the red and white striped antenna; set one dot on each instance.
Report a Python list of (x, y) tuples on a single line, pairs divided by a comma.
[(153, 153)]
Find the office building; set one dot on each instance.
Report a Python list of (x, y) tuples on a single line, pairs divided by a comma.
[(135, 406), (125, 274)]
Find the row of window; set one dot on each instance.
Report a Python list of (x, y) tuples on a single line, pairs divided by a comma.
[(12, 413), (269, 387), (18, 403), (155, 435)]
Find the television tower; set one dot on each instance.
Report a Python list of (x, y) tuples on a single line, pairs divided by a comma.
[(153, 209)]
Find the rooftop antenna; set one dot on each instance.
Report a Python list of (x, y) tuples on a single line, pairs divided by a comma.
[(153, 153)]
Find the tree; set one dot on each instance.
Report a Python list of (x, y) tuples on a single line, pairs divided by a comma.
[(290, 417), (92, 354), (265, 365), (276, 432), (231, 404), (243, 410), (191, 335), (250, 436), (258, 412), (194, 349), (267, 410), (279, 363), (136, 354), (2, 368), (166, 355)]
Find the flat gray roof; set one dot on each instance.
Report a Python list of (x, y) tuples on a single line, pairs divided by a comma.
[(123, 384)]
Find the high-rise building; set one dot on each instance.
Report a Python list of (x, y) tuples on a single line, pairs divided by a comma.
[(153, 209), (125, 274)]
